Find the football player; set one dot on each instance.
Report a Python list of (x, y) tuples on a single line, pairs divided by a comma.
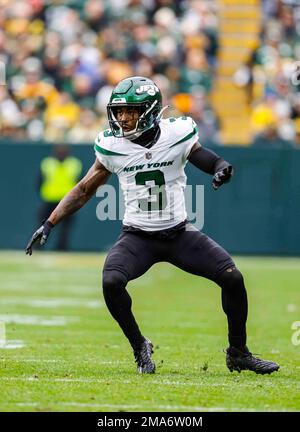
[(149, 154)]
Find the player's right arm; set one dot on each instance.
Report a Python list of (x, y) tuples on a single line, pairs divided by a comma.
[(73, 201)]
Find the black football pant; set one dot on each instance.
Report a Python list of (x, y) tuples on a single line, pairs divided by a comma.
[(190, 250)]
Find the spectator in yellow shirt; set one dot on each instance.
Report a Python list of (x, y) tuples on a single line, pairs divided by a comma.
[(34, 87), (60, 117), (263, 115)]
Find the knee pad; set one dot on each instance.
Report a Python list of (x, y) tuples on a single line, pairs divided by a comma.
[(231, 279), (113, 281)]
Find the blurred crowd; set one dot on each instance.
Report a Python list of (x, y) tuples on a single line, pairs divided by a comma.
[(272, 76), (63, 57)]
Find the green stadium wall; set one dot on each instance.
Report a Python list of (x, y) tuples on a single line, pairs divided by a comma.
[(257, 213)]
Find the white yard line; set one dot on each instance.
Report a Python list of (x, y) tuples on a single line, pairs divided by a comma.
[(53, 302), (37, 320), (26, 360), (124, 406), (13, 344), (153, 407), (35, 286), (152, 382)]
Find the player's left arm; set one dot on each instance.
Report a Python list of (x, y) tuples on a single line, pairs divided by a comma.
[(209, 162)]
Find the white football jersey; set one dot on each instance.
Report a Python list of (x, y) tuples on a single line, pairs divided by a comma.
[(152, 180)]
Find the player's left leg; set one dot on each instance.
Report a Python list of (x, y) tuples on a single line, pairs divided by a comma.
[(234, 303), (196, 253)]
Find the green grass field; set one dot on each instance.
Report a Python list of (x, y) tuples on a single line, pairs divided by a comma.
[(64, 352)]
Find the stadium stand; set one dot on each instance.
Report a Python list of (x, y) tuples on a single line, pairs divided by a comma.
[(231, 64), (64, 57)]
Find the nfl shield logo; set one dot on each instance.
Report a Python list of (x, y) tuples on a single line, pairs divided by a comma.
[(148, 155)]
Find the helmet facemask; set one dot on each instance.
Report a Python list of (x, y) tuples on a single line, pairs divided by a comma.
[(148, 118)]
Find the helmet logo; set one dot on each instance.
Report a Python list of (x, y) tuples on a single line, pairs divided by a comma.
[(151, 89), (119, 100)]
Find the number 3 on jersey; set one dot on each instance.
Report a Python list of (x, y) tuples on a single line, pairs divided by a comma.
[(158, 191)]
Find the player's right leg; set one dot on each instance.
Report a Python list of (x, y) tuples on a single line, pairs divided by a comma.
[(129, 258)]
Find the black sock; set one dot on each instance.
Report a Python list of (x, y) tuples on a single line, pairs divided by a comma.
[(119, 304), (235, 306)]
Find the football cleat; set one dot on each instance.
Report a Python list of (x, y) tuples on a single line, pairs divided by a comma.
[(244, 360), (143, 357)]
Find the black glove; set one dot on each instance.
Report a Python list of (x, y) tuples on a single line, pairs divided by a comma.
[(222, 176), (42, 233)]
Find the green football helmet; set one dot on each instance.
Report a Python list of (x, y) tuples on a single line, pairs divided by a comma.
[(135, 92)]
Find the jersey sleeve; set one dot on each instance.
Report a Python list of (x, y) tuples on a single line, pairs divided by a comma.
[(185, 135), (102, 153), (190, 138)]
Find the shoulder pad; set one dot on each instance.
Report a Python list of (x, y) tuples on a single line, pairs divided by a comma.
[(183, 128), (105, 143)]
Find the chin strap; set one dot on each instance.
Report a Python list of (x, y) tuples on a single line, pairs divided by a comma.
[(133, 134), (160, 114), (156, 125)]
